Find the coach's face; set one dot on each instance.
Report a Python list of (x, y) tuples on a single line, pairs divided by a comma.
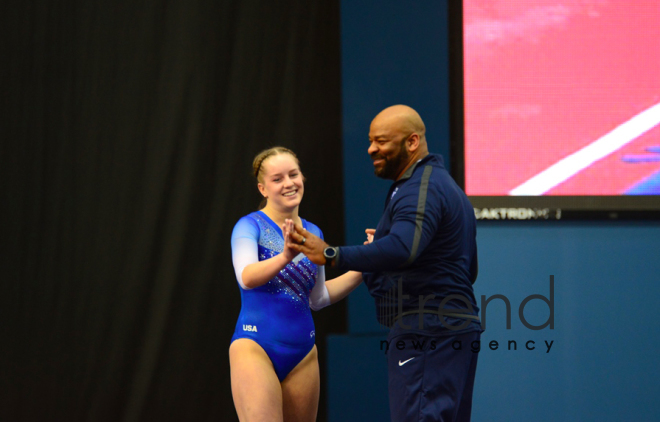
[(388, 147)]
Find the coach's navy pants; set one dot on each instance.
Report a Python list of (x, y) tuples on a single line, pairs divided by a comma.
[(430, 377)]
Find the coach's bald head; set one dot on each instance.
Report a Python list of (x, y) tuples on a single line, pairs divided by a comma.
[(397, 138)]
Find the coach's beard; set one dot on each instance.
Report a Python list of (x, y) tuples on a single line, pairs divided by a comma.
[(391, 167)]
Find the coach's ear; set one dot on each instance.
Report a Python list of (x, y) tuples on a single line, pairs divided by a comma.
[(412, 143)]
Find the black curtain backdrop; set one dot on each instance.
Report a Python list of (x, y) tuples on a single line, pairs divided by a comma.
[(128, 131)]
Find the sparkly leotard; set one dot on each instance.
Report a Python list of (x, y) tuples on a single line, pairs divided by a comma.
[(277, 314)]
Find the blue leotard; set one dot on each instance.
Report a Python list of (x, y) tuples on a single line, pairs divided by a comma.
[(277, 314)]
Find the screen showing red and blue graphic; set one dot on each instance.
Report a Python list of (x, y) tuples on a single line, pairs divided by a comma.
[(562, 97)]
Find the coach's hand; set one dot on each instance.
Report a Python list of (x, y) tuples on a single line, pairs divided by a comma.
[(370, 235), (311, 245)]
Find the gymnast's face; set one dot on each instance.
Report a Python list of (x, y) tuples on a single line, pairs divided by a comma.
[(282, 181)]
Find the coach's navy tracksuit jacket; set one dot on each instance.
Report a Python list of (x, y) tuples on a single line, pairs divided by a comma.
[(424, 249)]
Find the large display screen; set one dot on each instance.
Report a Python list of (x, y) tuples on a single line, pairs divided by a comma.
[(561, 102)]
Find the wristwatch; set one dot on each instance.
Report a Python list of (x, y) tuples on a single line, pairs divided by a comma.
[(330, 254)]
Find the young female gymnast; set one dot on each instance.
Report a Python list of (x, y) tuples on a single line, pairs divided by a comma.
[(273, 359)]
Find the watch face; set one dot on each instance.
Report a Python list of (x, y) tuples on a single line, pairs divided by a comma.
[(330, 253)]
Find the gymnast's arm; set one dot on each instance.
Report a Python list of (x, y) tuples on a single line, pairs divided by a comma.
[(332, 291), (250, 272)]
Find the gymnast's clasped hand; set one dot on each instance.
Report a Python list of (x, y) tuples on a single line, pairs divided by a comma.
[(300, 240)]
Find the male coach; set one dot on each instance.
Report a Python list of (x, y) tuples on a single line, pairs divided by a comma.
[(420, 269)]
